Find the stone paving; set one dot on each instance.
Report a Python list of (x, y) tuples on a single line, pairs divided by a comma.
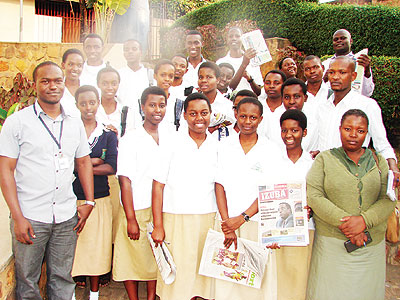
[(116, 290)]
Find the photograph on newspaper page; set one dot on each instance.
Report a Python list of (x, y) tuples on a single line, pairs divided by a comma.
[(283, 219), (245, 265), (254, 39)]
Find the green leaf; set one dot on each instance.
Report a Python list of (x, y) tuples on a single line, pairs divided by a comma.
[(12, 109), (3, 114), (120, 6)]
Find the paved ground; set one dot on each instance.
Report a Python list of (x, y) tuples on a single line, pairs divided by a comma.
[(116, 291)]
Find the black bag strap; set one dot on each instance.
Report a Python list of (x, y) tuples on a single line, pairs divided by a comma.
[(124, 114)]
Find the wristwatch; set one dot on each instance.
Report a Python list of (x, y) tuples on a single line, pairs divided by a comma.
[(245, 217), (92, 203)]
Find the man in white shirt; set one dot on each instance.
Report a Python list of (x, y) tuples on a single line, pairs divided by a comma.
[(93, 47), (341, 73), (193, 44), (317, 89), (134, 76), (342, 46)]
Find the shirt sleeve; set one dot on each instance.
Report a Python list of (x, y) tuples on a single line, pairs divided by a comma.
[(112, 152), (368, 86), (10, 137), (83, 147)]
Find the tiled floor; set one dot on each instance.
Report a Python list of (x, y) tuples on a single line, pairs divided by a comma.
[(116, 291)]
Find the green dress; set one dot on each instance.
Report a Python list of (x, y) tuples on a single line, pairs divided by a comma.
[(337, 187)]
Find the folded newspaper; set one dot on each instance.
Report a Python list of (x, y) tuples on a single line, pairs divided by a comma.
[(357, 84), (254, 39), (245, 266), (163, 257)]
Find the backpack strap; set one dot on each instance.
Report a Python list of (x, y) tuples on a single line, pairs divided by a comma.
[(124, 115), (178, 112), (140, 110)]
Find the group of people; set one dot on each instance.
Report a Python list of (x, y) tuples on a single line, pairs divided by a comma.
[(190, 142)]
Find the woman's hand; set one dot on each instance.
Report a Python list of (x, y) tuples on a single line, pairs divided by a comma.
[(229, 239), (158, 235), (133, 229), (359, 239), (352, 226), (231, 224), (274, 246)]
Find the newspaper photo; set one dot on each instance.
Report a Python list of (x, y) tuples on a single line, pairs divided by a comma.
[(357, 84), (245, 266), (283, 219), (255, 40), (163, 257)]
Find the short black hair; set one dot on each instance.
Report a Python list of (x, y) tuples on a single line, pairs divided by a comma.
[(294, 81), (246, 93), (86, 88), (227, 65), (72, 51), (276, 72), (195, 96), (345, 58), (282, 60), (43, 64), (151, 90), (179, 55), (136, 41), (107, 70), (93, 36), (251, 100), (294, 114), (311, 57), (354, 112), (211, 65), (194, 32), (161, 63)]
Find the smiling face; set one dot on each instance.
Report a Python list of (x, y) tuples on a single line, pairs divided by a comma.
[(272, 85), (108, 84), (293, 97), (154, 109), (73, 66), (292, 134), (353, 131), (88, 105), (49, 84), (225, 79), (197, 116), (165, 76), (93, 49), (313, 70), (181, 66), (289, 67), (132, 51), (233, 39), (248, 118), (193, 45), (341, 74), (341, 42), (208, 81)]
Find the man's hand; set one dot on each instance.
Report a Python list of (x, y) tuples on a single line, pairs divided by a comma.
[(352, 226), (365, 61), (273, 246), (83, 213), (231, 224), (158, 235), (133, 229), (23, 231), (248, 55), (229, 239)]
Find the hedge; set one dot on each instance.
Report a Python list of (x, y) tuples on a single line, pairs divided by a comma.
[(309, 26)]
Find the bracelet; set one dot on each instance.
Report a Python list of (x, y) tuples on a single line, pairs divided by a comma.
[(92, 203), (245, 217), (250, 80)]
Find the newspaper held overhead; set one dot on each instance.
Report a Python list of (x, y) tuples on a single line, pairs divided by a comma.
[(245, 266), (357, 84), (283, 219), (165, 262), (254, 39)]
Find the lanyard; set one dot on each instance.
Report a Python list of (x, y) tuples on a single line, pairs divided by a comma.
[(58, 143)]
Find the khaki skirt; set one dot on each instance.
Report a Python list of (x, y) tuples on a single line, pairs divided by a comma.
[(94, 246), (225, 290), (115, 202), (133, 259), (185, 236)]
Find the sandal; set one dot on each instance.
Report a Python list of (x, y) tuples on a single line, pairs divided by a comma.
[(80, 281), (105, 279)]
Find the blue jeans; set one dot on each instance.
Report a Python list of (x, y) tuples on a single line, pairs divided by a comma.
[(54, 243)]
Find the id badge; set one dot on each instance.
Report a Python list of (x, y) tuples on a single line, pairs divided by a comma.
[(63, 162)]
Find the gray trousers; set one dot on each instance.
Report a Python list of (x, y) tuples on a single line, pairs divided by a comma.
[(55, 243)]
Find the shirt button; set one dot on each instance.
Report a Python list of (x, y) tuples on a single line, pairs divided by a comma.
[(356, 174), (54, 203), (55, 154), (56, 171), (56, 187)]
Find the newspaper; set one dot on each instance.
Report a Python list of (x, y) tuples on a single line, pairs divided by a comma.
[(283, 219), (255, 40), (245, 266), (163, 257), (356, 85)]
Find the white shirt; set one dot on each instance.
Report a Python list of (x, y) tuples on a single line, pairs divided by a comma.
[(329, 121), (322, 96), (368, 83), (191, 77), (69, 105), (254, 72), (114, 118), (136, 160), (270, 126), (89, 75), (44, 188), (240, 173), (188, 173)]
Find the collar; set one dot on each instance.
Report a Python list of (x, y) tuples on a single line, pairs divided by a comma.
[(38, 110), (350, 54), (97, 132)]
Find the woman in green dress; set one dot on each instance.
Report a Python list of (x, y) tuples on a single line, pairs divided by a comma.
[(346, 188)]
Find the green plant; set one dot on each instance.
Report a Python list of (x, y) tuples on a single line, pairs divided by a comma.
[(21, 95)]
